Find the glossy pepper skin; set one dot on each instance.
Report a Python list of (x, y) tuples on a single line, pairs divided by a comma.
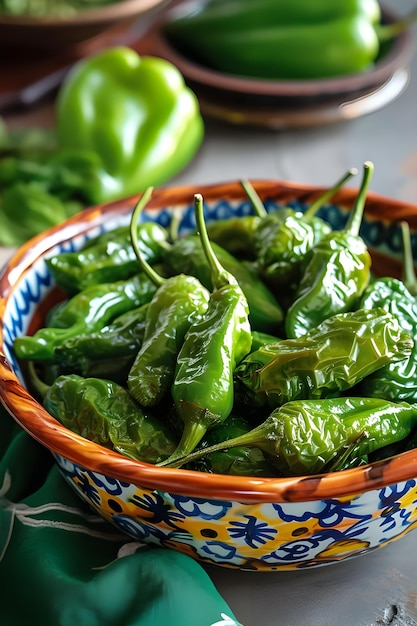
[(88, 310), (104, 412), (397, 380), (303, 437), (335, 273), (203, 388), (107, 259), (178, 302), (107, 353), (187, 255), (235, 235), (324, 362), (135, 113), (281, 40)]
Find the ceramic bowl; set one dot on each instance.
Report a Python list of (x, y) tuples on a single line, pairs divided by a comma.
[(289, 103), (42, 34), (237, 522)]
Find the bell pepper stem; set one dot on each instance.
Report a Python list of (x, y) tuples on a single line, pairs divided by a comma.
[(219, 276), (386, 32), (355, 219), (327, 195), (137, 211), (408, 274)]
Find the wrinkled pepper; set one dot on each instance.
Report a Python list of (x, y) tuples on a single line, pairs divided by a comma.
[(107, 353), (203, 387), (324, 362), (135, 113), (108, 259), (285, 39), (283, 238), (88, 310), (178, 302), (335, 272), (304, 437), (104, 412), (186, 255), (396, 380)]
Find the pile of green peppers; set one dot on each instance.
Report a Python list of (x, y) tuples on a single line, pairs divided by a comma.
[(162, 352), (289, 39)]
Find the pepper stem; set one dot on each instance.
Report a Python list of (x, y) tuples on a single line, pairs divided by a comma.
[(355, 219), (36, 383), (258, 205), (386, 32), (137, 211), (219, 276), (265, 436), (329, 193), (408, 274)]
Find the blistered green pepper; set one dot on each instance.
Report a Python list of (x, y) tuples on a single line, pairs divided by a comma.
[(87, 311), (283, 40), (104, 412), (283, 238), (335, 273), (203, 389), (135, 113), (187, 255), (236, 235), (178, 302), (396, 380), (108, 259), (324, 362), (107, 353)]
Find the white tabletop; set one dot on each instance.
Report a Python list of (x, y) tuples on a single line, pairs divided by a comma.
[(379, 589)]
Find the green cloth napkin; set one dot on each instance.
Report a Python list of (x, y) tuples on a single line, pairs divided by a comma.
[(62, 565)]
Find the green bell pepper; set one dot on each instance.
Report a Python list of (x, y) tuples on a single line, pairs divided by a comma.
[(135, 113)]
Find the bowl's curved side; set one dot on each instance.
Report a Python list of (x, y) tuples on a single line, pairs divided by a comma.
[(267, 536), (24, 283)]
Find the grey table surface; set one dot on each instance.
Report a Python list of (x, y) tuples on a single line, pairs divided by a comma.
[(378, 589)]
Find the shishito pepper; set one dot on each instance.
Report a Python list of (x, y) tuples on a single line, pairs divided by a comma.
[(135, 113), (304, 437), (107, 259), (282, 40), (335, 272), (203, 389), (179, 301), (104, 412), (325, 362)]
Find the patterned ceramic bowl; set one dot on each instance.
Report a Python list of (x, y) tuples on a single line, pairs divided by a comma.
[(238, 522)]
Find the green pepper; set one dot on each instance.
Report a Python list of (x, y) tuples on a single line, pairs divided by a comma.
[(304, 437), (396, 380), (107, 353), (235, 235), (283, 40), (179, 301), (203, 388), (104, 412), (135, 113), (239, 461), (187, 255), (107, 260), (336, 271), (87, 311), (283, 238), (324, 362)]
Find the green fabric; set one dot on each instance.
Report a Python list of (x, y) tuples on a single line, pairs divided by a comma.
[(62, 565)]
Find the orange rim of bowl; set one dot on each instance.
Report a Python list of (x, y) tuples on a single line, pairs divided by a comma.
[(33, 418)]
